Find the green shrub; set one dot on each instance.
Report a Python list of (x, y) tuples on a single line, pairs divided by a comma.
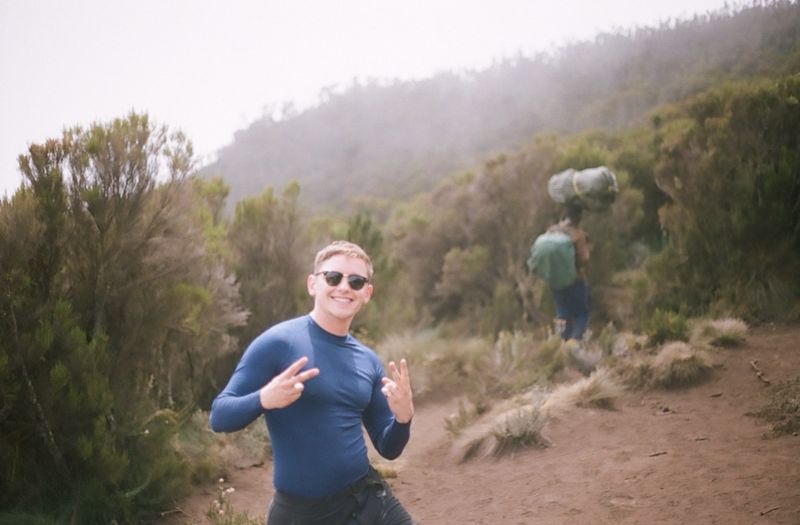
[(665, 325), (23, 518)]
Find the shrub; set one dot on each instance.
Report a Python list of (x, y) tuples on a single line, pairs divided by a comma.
[(665, 325), (783, 408)]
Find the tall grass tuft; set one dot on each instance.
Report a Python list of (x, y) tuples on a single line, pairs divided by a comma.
[(520, 429), (599, 390), (509, 432), (679, 365), (635, 373), (726, 332)]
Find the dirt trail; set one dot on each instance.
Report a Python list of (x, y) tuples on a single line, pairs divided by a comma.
[(663, 457)]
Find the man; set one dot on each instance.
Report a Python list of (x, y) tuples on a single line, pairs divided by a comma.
[(572, 302), (315, 384)]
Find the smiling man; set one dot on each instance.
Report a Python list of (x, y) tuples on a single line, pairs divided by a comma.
[(316, 384)]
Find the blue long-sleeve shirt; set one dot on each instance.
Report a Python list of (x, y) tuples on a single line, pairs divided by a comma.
[(317, 443)]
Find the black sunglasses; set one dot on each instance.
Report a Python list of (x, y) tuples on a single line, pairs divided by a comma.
[(355, 281)]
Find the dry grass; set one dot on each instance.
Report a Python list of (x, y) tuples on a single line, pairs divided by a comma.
[(438, 366), (635, 372), (726, 332), (581, 356), (783, 408), (599, 390), (213, 455), (519, 423), (520, 429), (511, 430), (466, 415), (474, 367), (679, 365)]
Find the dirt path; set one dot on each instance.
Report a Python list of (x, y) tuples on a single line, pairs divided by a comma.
[(684, 457)]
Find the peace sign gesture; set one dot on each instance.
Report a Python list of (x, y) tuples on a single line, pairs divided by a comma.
[(286, 387), (398, 392)]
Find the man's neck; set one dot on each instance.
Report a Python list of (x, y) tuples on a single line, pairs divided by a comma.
[(331, 324)]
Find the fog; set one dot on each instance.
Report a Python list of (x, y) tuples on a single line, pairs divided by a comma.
[(210, 68)]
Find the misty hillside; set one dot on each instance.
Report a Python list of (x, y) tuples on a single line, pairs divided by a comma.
[(395, 140)]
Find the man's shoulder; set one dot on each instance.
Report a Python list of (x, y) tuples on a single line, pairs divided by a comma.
[(367, 352), (283, 332)]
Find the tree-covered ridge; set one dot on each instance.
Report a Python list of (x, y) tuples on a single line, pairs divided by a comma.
[(397, 139)]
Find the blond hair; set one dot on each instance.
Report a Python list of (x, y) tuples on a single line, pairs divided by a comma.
[(343, 248)]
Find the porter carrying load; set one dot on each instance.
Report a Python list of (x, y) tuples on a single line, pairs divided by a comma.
[(592, 189)]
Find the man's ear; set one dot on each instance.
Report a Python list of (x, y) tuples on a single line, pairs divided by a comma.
[(311, 282), (369, 289)]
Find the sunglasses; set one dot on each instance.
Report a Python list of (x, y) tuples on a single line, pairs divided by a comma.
[(355, 281)]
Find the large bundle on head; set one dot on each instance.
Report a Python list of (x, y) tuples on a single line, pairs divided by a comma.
[(593, 188)]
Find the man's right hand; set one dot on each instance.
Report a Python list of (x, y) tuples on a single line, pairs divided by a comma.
[(286, 387)]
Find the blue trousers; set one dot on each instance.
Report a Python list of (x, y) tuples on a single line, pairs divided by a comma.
[(368, 501), (573, 306)]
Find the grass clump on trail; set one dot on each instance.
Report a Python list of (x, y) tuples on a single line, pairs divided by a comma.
[(727, 332), (504, 433), (783, 408), (599, 390), (508, 430), (520, 429), (679, 365)]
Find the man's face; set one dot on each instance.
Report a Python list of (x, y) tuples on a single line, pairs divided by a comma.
[(339, 302)]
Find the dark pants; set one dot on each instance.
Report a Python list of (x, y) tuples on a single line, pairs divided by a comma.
[(368, 501), (572, 305)]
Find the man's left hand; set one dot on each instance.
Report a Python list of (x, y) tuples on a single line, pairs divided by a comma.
[(398, 392)]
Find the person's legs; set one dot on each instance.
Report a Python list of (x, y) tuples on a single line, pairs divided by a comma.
[(562, 303), (572, 305), (579, 310)]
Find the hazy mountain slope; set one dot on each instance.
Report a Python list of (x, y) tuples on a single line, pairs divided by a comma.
[(395, 140)]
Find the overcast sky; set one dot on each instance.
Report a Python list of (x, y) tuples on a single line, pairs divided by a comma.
[(211, 67)]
